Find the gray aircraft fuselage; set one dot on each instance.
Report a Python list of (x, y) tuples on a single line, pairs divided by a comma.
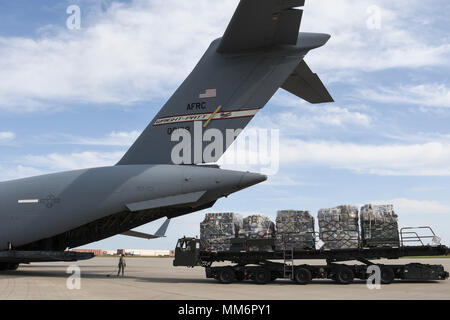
[(260, 52), (69, 209)]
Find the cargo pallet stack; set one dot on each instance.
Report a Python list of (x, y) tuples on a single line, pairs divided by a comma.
[(379, 226), (339, 227), (253, 247), (257, 227), (295, 230), (217, 230)]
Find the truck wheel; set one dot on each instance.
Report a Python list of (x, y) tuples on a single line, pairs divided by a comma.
[(344, 275), (3, 266), (226, 275), (13, 266), (387, 275), (262, 276), (302, 276), (240, 276)]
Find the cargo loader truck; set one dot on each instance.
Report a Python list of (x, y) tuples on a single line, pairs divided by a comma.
[(265, 266)]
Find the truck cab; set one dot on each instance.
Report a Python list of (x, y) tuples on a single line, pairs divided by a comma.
[(187, 252)]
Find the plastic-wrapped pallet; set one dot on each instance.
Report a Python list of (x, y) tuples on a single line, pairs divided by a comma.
[(339, 227), (379, 226), (295, 229), (258, 227), (217, 229)]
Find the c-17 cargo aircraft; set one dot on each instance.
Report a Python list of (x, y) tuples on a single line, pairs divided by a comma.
[(260, 52)]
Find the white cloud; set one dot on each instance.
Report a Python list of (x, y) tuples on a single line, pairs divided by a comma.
[(354, 46), (115, 138), (33, 165), (57, 162), (428, 159), (303, 117), (131, 53), (419, 137), (424, 189), (319, 117), (406, 207), (143, 50), (18, 172), (417, 213), (421, 159), (427, 95), (7, 135), (281, 179)]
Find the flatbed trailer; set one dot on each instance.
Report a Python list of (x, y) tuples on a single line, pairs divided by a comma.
[(265, 266)]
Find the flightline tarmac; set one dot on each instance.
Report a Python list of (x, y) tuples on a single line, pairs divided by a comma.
[(157, 279)]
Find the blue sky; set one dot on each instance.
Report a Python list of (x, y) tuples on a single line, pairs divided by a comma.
[(73, 99)]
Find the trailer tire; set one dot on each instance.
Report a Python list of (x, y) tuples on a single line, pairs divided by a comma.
[(240, 276), (226, 275), (344, 275), (302, 276), (262, 276), (3, 266), (387, 275)]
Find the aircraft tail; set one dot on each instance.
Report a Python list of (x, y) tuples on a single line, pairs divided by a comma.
[(260, 52)]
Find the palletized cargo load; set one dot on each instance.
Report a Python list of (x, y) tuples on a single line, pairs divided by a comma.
[(258, 227), (217, 230), (295, 230), (338, 227), (379, 226), (253, 247)]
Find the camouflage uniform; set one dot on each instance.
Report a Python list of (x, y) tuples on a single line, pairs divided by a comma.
[(122, 265)]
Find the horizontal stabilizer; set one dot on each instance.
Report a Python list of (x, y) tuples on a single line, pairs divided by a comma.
[(307, 85), (234, 80), (166, 201), (161, 233), (308, 40), (137, 234), (258, 24)]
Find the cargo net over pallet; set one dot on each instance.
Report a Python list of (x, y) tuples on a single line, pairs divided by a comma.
[(295, 230), (217, 230), (258, 227), (338, 227), (379, 226)]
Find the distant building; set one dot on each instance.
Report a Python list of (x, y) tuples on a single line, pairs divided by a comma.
[(128, 252), (110, 252), (97, 252), (149, 253)]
